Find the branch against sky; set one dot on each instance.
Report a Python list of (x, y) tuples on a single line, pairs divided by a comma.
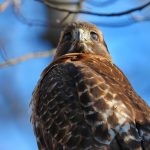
[(129, 11), (59, 6), (27, 57), (6, 3)]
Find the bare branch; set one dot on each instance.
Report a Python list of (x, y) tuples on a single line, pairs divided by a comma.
[(3, 51), (29, 22), (64, 19), (63, 2), (27, 57), (6, 3), (140, 18), (59, 23), (50, 5)]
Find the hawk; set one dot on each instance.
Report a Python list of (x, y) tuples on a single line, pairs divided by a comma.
[(84, 102)]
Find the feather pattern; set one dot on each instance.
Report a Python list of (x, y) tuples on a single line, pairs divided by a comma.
[(83, 101)]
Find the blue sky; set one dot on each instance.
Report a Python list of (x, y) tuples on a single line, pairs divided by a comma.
[(129, 47)]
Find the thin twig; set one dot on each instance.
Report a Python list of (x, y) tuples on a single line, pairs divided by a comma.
[(3, 51), (4, 5), (19, 15), (64, 19), (27, 57), (62, 3), (139, 18), (95, 13)]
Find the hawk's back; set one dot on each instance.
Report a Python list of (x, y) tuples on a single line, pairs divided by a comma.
[(83, 101)]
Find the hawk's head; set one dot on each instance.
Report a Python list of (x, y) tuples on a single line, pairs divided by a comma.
[(81, 37)]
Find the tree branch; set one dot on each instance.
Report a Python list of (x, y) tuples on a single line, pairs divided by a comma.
[(63, 2), (64, 19), (52, 6), (27, 57), (59, 23)]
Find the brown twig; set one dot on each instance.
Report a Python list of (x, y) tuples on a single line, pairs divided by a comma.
[(30, 22), (50, 5), (62, 3), (64, 19), (27, 57), (4, 5)]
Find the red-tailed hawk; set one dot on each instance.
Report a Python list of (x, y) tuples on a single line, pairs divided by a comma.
[(84, 102)]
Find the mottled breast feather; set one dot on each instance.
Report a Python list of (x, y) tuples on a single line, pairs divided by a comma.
[(84, 102)]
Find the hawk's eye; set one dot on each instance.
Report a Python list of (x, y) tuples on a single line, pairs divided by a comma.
[(94, 36), (67, 36)]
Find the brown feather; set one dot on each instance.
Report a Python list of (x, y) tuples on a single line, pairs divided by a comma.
[(84, 101)]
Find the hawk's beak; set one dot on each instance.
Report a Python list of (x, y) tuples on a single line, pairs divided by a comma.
[(81, 39), (80, 35)]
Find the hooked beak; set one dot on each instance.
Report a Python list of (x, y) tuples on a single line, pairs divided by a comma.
[(80, 35), (81, 39)]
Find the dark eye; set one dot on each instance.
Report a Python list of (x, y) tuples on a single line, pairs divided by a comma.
[(94, 36), (67, 36)]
